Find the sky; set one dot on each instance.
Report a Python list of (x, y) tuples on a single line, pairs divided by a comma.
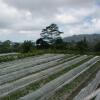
[(24, 19)]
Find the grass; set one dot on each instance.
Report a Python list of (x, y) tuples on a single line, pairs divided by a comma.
[(38, 84), (70, 90)]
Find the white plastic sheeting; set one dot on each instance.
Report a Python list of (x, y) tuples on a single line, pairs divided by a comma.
[(89, 88), (62, 80), (25, 60), (18, 84), (7, 54), (28, 64), (98, 96), (21, 73)]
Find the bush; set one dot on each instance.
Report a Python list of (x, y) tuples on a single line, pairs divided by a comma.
[(97, 47), (27, 46)]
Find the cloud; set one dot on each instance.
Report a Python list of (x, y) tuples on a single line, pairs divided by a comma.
[(24, 19)]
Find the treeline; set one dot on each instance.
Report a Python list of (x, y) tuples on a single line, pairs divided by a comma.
[(28, 46), (80, 47), (9, 46), (50, 40)]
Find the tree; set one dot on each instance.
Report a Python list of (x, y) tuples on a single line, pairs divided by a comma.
[(49, 36), (27, 46), (42, 44), (16, 47), (6, 46), (97, 47)]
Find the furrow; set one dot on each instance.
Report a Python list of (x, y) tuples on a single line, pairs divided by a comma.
[(27, 71), (18, 62), (21, 66), (62, 80), (90, 88), (19, 84)]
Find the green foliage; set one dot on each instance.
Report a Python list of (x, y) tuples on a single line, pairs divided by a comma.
[(49, 36), (82, 46), (97, 47), (41, 44), (27, 46), (8, 46), (16, 47), (7, 58), (5, 47), (51, 33), (59, 44)]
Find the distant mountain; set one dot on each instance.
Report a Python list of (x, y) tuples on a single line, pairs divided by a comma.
[(91, 38)]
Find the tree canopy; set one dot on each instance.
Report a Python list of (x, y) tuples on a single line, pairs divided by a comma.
[(50, 35)]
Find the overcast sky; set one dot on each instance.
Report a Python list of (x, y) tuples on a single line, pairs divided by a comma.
[(24, 19)]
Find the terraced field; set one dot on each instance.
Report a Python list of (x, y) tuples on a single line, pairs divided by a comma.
[(51, 77)]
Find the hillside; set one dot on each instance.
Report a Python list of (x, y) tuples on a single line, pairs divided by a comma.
[(91, 38)]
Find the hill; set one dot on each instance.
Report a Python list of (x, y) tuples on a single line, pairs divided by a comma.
[(91, 38)]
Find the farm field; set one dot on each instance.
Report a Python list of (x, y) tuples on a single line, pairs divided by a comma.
[(7, 54), (50, 77)]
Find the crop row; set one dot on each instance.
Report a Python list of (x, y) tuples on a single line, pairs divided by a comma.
[(59, 82), (35, 77), (47, 73)]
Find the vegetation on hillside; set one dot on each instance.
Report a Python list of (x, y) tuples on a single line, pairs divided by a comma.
[(50, 41)]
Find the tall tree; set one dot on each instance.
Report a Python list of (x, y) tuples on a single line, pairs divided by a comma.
[(51, 33)]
